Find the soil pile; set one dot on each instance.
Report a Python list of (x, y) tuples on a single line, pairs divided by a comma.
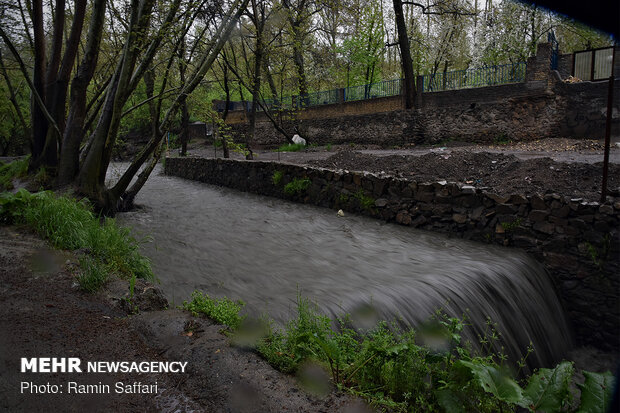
[(495, 171)]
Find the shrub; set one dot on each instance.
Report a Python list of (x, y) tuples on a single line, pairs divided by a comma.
[(296, 186)]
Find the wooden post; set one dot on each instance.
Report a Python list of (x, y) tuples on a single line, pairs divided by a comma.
[(610, 101)]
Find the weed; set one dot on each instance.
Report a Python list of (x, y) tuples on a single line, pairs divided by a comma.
[(12, 170), (366, 202), (291, 147), (296, 186), (276, 178), (511, 226), (390, 369), (502, 139), (328, 147), (598, 256), (222, 310)]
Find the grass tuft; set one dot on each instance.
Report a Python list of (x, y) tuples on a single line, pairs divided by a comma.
[(291, 147), (222, 310), (70, 224)]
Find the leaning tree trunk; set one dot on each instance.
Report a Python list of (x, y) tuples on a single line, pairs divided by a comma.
[(405, 54)]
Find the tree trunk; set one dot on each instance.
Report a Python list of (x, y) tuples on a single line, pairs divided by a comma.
[(69, 164), (405, 55)]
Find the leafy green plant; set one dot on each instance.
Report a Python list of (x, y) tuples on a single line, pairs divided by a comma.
[(328, 147), (366, 202), (222, 310), (297, 186), (276, 178)]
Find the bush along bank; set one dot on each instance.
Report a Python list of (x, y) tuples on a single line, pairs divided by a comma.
[(391, 369), (70, 224)]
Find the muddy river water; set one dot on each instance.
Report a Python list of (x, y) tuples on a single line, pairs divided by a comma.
[(266, 251)]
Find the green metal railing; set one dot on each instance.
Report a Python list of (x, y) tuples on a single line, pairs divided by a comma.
[(373, 90), (485, 76), (459, 79)]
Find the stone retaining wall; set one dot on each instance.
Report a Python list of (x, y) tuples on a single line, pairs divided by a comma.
[(541, 107), (577, 241)]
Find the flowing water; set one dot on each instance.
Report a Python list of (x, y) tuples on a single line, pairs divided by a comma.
[(265, 251)]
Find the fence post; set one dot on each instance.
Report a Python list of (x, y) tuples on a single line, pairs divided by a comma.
[(419, 88), (341, 96)]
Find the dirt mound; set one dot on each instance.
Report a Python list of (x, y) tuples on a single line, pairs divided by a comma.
[(498, 172)]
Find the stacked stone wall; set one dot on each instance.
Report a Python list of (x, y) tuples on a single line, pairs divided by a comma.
[(576, 241)]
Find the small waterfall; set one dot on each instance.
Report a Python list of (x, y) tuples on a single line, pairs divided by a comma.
[(264, 251), (515, 293)]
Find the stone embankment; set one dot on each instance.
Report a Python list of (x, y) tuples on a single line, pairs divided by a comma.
[(576, 240)]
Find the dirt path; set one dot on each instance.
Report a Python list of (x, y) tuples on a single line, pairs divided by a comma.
[(564, 166), (45, 315)]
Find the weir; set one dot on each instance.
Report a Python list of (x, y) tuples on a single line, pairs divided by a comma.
[(265, 251)]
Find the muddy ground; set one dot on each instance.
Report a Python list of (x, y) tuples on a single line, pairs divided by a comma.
[(43, 314)]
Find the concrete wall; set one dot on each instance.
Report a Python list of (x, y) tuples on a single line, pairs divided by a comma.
[(578, 242), (541, 107)]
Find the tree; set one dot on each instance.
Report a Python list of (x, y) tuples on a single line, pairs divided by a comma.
[(48, 82)]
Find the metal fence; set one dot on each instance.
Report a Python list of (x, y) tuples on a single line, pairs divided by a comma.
[(373, 90), (593, 64), (470, 78), (459, 79)]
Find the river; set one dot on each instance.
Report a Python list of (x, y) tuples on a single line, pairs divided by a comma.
[(266, 251)]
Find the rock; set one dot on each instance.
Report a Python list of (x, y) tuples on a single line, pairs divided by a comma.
[(538, 203), (606, 209), (518, 199), (403, 218), (459, 218), (298, 140), (340, 213), (381, 202), (544, 227), (468, 189), (538, 215)]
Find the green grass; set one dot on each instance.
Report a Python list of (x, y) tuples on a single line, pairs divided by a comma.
[(291, 147), (296, 186), (222, 310), (70, 224), (12, 170)]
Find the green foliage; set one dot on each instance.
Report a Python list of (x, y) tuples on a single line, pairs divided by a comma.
[(389, 368), (93, 274), (12, 170), (291, 147), (222, 310), (328, 147), (296, 186), (596, 392), (70, 224), (276, 178), (548, 389)]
